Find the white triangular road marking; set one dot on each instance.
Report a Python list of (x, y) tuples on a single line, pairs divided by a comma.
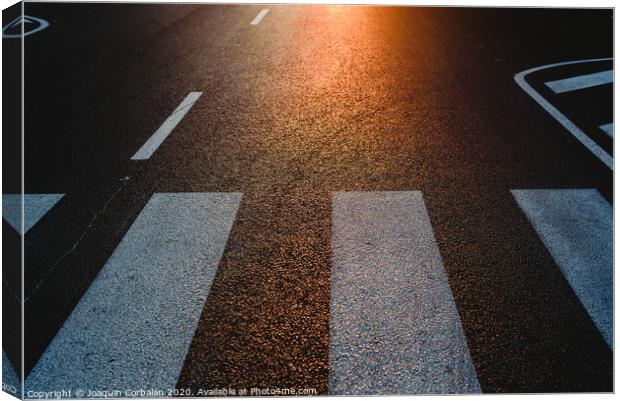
[(35, 207)]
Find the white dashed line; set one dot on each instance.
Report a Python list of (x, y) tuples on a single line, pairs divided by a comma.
[(581, 82), (133, 327), (561, 118), (260, 16), (394, 327), (147, 150), (608, 129), (576, 226)]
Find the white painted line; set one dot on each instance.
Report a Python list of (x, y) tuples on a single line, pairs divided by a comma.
[(561, 118), (35, 207), (26, 25), (394, 327), (133, 326), (581, 82), (147, 150), (259, 17), (10, 382), (576, 226), (608, 129)]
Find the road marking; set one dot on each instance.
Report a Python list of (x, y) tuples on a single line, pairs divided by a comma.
[(394, 327), (608, 129), (576, 226), (561, 118), (35, 207), (10, 381), (133, 326), (259, 17), (581, 82), (147, 150), (34, 25)]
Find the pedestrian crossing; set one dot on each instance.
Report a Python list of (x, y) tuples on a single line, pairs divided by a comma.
[(10, 381), (133, 326), (35, 206), (576, 226), (394, 325), (608, 129)]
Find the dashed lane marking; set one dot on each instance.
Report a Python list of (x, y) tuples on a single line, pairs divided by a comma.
[(35, 207), (151, 145), (394, 327), (259, 17), (576, 226), (133, 326), (561, 118), (581, 82)]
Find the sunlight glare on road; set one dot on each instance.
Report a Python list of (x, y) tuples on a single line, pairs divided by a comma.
[(344, 41)]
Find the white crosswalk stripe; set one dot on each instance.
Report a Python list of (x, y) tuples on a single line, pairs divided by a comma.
[(10, 381), (394, 327), (608, 129), (133, 326), (576, 225), (35, 207)]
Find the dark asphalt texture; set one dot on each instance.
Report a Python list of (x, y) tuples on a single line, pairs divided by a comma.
[(315, 99), (11, 166)]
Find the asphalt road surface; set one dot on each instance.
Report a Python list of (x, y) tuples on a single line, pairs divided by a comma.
[(329, 199)]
